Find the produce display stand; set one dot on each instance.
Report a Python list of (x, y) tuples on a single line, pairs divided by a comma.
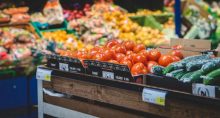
[(89, 96)]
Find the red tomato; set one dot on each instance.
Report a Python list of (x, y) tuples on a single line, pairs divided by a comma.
[(150, 64), (138, 48), (154, 55), (126, 62), (113, 61), (119, 56), (177, 47), (144, 52), (108, 54), (130, 57), (139, 58), (129, 52), (137, 69), (111, 43), (145, 71), (99, 57), (177, 53), (165, 60), (126, 58), (175, 58), (129, 45), (120, 49)]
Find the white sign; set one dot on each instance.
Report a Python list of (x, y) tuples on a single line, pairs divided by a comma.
[(107, 75), (43, 74), (63, 67), (203, 90), (154, 96)]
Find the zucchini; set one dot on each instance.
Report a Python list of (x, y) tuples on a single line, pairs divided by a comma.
[(194, 77), (158, 70), (174, 73), (212, 65), (212, 78), (195, 65)]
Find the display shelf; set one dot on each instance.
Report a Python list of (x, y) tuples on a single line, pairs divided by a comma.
[(124, 97)]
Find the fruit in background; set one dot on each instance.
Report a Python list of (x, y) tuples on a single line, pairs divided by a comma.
[(177, 53), (165, 60), (76, 13), (154, 55)]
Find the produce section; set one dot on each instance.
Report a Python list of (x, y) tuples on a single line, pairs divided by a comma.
[(127, 57)]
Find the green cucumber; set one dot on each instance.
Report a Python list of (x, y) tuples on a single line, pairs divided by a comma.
[(194, 77), (195, 65), (172, 67), (196, 57), (157, 70), (212, 65), (174, 73), (212, 78), (179, 75), (187, 75)]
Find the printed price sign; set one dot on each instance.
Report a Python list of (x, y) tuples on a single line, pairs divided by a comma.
[(154, 96), (43, 74), (107, 75), (63, 67), (203, 90)]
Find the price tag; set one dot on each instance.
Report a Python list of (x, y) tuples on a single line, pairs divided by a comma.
[(63, 67), (203, 90), (154, 96), (43, 74), (107, 75)]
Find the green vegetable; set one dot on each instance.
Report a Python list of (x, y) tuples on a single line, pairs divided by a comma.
[(182, 64), (212, 78), (195, 65), (194, 77), (187, 75), (174, 73), (212, 65), (172, 67), (157, 70), (197, 57), (180, 74)]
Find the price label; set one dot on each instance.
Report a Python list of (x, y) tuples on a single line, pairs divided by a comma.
[(63, 67), (154, 96), (203, 90), (43, 74), (107, 75)]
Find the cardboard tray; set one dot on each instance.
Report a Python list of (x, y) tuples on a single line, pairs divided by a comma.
[(112, 71), (92, 67)]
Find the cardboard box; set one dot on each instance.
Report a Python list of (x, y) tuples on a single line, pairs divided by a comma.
[(190, 46)]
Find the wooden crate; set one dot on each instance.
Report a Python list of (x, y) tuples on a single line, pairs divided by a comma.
[(111, 100)]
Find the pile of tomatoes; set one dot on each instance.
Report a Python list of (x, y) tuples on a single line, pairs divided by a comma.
[(135, 56)]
